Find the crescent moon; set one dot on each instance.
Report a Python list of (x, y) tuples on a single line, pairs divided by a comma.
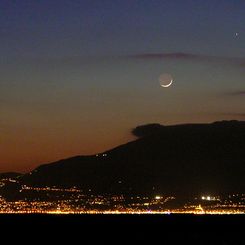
[(165, 80), (167, 85)]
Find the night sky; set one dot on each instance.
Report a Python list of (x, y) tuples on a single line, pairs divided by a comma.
[(75, 78)]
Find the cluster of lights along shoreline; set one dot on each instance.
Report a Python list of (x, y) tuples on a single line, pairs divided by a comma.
[(53, 200)]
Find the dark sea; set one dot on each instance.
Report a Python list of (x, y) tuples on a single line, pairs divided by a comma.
[(113, 229)]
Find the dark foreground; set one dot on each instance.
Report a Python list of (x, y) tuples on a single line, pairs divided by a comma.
[(186, 229)]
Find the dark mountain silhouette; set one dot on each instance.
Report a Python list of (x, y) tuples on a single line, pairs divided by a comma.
[(9, 175), (181, 159)]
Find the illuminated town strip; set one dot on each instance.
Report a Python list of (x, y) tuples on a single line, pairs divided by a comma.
[(54, 200), (122, 212)]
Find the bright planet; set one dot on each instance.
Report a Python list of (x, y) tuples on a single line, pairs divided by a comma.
[(165, 80)]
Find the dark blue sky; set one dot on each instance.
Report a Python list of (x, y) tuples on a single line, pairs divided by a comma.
[(68, 85), (59, 27)]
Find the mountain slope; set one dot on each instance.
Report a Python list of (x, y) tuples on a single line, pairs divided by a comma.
[(180, 159)]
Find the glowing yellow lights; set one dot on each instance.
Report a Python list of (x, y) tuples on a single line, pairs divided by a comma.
[(59, 212), (209, 198), (75, 201)]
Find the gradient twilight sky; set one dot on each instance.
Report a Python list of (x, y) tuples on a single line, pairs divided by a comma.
[(74, 78)]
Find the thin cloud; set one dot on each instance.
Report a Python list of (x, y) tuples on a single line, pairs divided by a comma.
[(165, 55), (236, 93), (188, 56), (233, 114), (146, 130)]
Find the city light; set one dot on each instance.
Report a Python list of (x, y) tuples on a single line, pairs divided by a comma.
[(54, 200)]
